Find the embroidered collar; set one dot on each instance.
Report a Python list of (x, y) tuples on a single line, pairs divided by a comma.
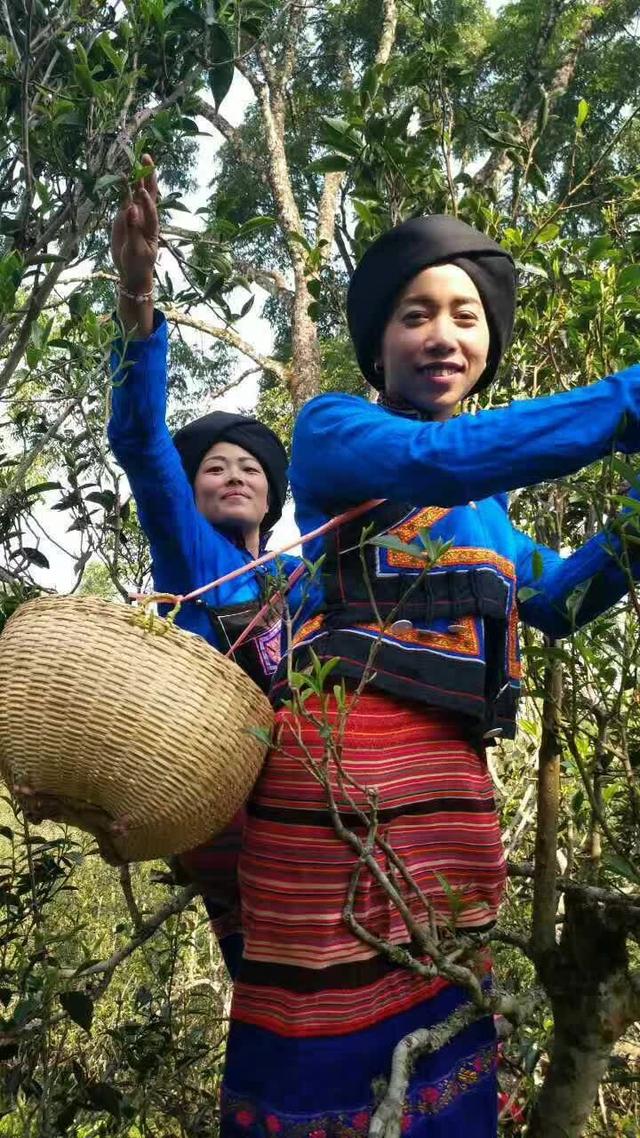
[(401, 407)]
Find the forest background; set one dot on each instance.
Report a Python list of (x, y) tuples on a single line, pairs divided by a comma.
[(523, 121)]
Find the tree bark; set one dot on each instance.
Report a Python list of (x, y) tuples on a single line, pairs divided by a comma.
[(545, 901), (594, 1000), (305, 373)]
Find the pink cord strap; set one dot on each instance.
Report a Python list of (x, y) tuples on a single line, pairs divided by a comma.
[(326, 527), (246, 632)]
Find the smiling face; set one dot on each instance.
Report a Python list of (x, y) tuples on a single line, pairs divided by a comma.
[(231, 488), (436, 341)]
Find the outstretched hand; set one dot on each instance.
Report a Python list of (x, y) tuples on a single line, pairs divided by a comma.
[(135, 234)]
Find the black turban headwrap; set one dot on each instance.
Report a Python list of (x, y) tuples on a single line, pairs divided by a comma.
[(390, 263), (193, 441)]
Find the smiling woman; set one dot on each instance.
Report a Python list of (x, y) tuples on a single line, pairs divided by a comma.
[(207, 500), (317, 1011), (231, 488), (436, 344)]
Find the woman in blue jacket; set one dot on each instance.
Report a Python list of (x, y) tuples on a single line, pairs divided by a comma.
[(317, 1012), (206, 498)]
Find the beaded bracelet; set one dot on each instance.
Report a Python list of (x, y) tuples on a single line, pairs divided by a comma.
[(136, 297)]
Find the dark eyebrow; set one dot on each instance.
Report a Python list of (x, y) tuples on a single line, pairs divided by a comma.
[(417, 298), (222, 458)]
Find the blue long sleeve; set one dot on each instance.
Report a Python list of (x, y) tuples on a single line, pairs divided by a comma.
[(596, 566), (597, 569), (346, 450), (187, 550)]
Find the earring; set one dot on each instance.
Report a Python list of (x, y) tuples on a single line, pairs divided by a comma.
[(378, 368)]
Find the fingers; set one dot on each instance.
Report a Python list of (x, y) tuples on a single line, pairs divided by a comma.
[(145, 197), (148, 214), (150, 183)]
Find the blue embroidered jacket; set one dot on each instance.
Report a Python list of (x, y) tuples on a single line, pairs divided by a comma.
[(453, 639), (187, 550)]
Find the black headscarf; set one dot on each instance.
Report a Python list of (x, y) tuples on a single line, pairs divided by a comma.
[(390, 263), (193, 441)]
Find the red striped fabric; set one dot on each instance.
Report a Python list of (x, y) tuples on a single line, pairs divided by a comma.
[(304, 973)]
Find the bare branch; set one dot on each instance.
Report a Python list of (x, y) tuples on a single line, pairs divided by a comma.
[(232, 135), (608, 897), (174, 316), (387, 1119)]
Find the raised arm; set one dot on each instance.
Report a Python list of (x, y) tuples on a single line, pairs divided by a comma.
[(568, 592), (346, 450), (138, 433)]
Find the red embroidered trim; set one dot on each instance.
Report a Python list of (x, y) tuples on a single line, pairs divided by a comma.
[(429, 1099)]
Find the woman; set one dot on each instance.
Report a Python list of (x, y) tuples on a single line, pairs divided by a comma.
[(317, 1013), (207, 500)]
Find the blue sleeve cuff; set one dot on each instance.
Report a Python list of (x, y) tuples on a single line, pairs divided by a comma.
[(139, 387), (129, 351)]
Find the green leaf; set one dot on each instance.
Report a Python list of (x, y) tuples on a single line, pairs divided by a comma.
[(629, 278), (625, 470), (223, 66), (339, 134), (389, 541), (525, 594), (104, 498), (105, 181), (364, 212), (548, 233), (573, 602), (341, 126), (41, 488), (616, 863), (246, 308), (85, 79), (298, 679), (66, 1115), (370, 83), (536, 178), (537, 565), (330, 163), (105, 1097), (254, 224), (300, 239), (583, 114), (599, 248), (107, 49), (79, 1006), (543, 112), (35, 556), (627, 503)]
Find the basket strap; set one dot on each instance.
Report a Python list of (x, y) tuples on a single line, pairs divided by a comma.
[(295, 576), (332, 524), (346, 516)]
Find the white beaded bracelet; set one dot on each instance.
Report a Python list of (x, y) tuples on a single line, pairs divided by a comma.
[(136, 297)]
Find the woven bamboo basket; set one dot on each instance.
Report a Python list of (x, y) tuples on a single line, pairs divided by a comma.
[(108, 715)]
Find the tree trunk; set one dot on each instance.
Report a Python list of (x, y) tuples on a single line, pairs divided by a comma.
[(569, 1092), (594, 1001), (545, 901), (304, 380)]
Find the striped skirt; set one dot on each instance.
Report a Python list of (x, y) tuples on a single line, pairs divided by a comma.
[(316, 1013)]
